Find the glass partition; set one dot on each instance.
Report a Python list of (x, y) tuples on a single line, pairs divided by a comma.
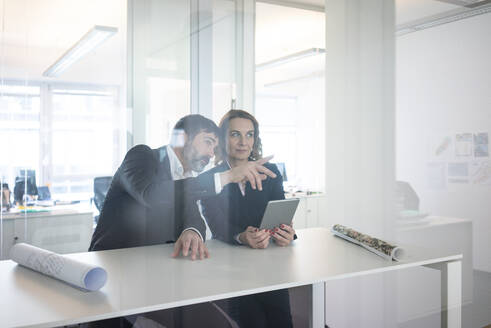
[(62, 117), (290, 88), (83, 84)]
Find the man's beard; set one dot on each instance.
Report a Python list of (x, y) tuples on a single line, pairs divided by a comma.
[(193, 159)]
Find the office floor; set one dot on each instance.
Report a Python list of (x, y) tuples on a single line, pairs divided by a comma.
[(475, 315)]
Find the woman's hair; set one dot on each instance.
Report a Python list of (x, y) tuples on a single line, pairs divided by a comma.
[(257, 150)]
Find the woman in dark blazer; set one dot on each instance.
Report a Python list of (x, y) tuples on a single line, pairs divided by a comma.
[(235, 214)]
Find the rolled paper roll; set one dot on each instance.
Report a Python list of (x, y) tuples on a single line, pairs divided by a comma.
[(79, 274), (375, 245)]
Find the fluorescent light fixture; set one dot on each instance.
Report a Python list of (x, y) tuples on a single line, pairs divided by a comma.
[(290, 58), (82, 92), (444, 18), (90, 41)]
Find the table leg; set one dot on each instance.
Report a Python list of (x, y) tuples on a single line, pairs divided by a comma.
[(451, 293), (318, 305)]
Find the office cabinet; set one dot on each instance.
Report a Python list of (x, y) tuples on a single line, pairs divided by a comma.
[(310, 211), (59, 230), (300, 218)]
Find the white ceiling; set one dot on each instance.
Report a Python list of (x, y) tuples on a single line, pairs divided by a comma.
[(406, 10), (411, 10), (281, 30), (37, 32)]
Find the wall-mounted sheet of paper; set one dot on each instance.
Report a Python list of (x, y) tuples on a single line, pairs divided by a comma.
[(463, 145), (441, 147), (481, 145), (458, 172), (480, 172), (458, 169)]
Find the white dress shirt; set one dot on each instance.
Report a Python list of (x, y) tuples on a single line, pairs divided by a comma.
[(177, 172), (242, 186)]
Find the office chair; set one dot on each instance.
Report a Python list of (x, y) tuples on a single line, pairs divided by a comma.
[(406, 196), (25, 183), (101, 186)]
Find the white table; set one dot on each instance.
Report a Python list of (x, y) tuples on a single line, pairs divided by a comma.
[(146, 279)]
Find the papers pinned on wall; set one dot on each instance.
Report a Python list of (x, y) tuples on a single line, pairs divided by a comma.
[(459, 159)]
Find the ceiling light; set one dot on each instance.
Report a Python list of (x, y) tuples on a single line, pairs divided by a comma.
[(90, 41), (444, 18), (290, 58)]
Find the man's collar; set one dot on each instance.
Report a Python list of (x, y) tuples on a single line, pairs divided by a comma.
[(162, 153), (176, 168)]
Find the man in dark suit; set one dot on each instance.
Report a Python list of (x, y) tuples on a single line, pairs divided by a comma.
[(152, 197)]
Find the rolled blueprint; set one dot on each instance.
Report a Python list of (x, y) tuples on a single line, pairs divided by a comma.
[(82, 275), (375, 245)]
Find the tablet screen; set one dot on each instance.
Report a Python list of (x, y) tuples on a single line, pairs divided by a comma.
[(279, 212)]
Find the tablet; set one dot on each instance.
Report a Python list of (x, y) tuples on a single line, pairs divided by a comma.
[(279, 212)]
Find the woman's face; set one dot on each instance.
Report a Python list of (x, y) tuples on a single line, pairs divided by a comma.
[(240, 138)]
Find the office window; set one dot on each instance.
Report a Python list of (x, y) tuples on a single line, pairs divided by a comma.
[(70, 139), (290, 88), (277, 118), (68, 125), (168, 101), (19, 128), (84, 123)]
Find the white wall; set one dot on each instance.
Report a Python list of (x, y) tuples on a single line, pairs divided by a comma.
[(444, 88)]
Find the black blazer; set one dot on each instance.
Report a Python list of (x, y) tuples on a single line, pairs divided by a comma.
[(144, 206), (229, 213)]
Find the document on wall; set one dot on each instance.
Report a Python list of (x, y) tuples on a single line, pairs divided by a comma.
[(441, 147), (480, 172), (375, 245), (481, 143), (463, 145), (458, 172), (79, 274)]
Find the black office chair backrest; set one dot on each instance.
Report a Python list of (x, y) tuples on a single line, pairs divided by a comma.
[(101, 186)]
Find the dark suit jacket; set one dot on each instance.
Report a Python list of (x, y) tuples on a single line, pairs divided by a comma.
[(229, 213), (144, 206)]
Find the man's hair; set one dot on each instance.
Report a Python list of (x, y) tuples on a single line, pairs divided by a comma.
[(193, 124), (257, 148)]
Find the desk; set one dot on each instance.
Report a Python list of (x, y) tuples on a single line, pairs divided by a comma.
[(61, 229), (146, 279)]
